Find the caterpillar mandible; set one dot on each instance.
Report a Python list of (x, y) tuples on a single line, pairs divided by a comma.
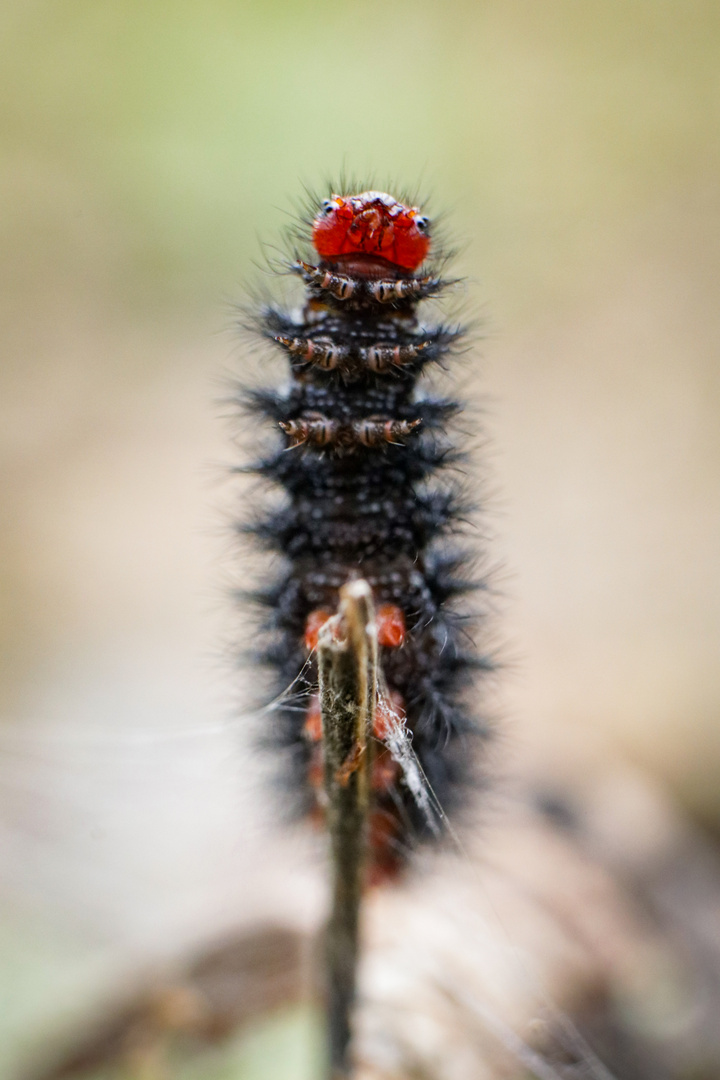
[(361, 446)]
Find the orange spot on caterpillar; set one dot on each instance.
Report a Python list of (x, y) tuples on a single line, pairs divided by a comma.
[(316, 769), (390, 626), (312, 728), (315, 621)]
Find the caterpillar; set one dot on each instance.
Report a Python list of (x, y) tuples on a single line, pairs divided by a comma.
[(361, 444)]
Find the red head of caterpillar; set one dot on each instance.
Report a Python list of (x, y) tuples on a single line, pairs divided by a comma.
[(366, 232)]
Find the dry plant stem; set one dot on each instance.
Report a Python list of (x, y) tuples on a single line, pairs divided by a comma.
[(347, 665)]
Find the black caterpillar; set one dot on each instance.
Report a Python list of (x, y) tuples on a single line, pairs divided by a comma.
[(359, 444)]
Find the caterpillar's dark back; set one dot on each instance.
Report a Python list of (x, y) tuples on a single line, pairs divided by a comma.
[(358, 453)]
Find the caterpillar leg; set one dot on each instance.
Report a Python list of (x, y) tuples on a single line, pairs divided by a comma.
[(321, 431), (395, 291), (381, 358), (322, 352), (341, 286), (376, 430)]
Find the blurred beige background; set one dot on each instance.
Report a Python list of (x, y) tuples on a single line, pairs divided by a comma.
[(147, 149)]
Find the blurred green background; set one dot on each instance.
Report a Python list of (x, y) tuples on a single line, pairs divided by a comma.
[(147, 149)]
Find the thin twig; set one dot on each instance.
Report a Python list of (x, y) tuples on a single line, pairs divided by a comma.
[(347, 665)]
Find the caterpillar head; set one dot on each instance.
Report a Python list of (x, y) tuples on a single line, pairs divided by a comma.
[(371, 224)]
